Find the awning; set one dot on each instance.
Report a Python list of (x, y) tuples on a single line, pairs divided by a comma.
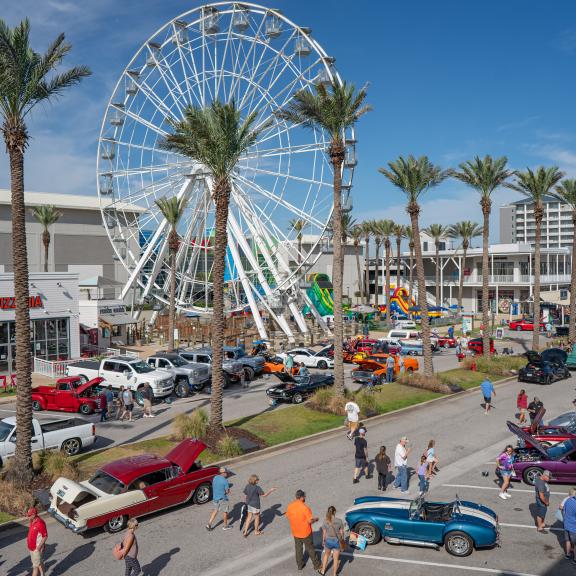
[(119, 319), (555, 297)]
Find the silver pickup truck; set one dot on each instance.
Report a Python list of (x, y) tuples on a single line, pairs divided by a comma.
[(188, 376)]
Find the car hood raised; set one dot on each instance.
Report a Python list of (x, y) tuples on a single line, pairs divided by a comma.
[(528, 438), (537, 420), (186, 453), (89, 384)]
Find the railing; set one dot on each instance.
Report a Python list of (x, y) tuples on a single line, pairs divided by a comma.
[(547, 279), (119, 352), (51, 368)]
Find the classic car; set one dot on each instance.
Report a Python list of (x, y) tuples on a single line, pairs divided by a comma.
[(548, 435), (545, 367), (526, 324), (361, 376), (476, 346), (309, 357), (69, 394), (412, 347), (296, 389), (446, 342), (566, 420), (459, 526), (529, 461), (387, 346), (377, 363), (276, 364), (132, 487)]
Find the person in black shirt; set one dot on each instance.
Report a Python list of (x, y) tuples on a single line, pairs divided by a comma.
[(534, 407), (360, 455)]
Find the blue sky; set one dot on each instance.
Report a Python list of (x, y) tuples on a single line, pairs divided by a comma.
[(448, 79)]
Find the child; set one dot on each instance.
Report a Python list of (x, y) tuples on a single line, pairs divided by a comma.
[(431, 458), (383, 466), (423, 476)]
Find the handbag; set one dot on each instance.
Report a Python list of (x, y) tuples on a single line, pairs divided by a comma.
[(117, 551), (358, 541)]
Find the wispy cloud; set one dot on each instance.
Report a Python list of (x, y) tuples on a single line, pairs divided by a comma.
[(517, 124), (564, 158)]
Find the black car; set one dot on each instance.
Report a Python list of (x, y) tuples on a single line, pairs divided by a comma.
[(296, 389), (361, 376), (545, 367)]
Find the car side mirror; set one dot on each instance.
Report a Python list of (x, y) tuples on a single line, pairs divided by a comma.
[(127, 373)]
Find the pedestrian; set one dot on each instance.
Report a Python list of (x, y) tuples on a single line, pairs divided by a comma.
[(401, 365), (243, 379), (37, 535), (147, 397), (423, 475), (548, 330), (534, 407), (450, 331), (103, 405), (542, 500), (488, 392), (383, 468), (390, 369), (458, 351), (120, 408), (373, 381), (253, 493), (301, 519), (522, 406), (288, 364), (568, 511), (220, 502), (401, 464), (129, 549), (303, 370), (431, 458), (360, 456), (332, 540), (110, 400), (352, 416), (128, 401), (504, 469)]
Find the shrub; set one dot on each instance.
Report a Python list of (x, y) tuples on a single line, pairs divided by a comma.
[(55, 464), (418, 380), (192, 425), (14, 499), (496, 365), (367, 402), (321, 400), (228, 447)]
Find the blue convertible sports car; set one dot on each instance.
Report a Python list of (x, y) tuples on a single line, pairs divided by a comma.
[(458, 526)]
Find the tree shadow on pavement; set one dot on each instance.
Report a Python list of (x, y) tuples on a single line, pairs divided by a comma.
[(246, 419), (158, 564), (76, 556)]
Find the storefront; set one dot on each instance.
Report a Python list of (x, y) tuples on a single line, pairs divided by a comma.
[(54, 327)]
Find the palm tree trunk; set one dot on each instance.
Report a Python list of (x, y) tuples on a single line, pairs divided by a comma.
[(221, 194), (486, 208), (538, 215), (412, 271), (437, 274), (46, 242), (461, 279), (22, 470), (172, 300), (387, 297), (377, 277), (358, 269), (367, 272), (337, 159), (414, 211), (572, 324), (398, 245)]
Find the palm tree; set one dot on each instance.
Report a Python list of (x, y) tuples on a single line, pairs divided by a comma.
[(27, 78), (438, 233), (566, 192), (216, 137), (411, 247), (484, 175), (400, 233), (414, 176), (335, 109), (377, 234), (466, 231), (348, 225), (387, 230), (536, 185), (298, 225), (46, 216), (367, 230), (357, 234), (172, 209)]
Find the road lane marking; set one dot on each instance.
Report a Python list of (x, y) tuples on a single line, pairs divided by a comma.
[(529, 526), (496, 488)]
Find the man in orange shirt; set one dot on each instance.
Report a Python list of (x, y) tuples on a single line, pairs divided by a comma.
[(300, 517)]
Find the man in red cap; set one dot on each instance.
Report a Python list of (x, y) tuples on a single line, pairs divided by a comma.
[(37, 535)]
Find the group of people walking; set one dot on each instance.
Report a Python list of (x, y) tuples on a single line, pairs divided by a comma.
[(121, 406)]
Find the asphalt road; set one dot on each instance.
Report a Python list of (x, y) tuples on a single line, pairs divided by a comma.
[(175, 542)]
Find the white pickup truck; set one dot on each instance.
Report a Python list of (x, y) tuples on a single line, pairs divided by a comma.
[(125, 371), (70, 435)]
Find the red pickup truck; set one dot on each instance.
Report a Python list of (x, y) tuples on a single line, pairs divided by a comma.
[(68, 395)]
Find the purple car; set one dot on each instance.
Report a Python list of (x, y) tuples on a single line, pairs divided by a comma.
[(559, 459)]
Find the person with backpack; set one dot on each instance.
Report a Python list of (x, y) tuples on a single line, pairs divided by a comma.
[(333, 541), (383, 467)]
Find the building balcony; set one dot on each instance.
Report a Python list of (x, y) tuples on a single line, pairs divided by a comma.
[(499, 279)]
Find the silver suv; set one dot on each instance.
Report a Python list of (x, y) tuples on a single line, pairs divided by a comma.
[(188, 376), (232, 368)]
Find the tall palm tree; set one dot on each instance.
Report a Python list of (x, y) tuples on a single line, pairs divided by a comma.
[(46, 216), (357, 234), (348, 225), (399, 233), (414, 176), (216, 137), (411, 247), (438, 233), (27, 78), (566, 192), (387, 230), (377, 235), (536, 185), (172, 209), (465, 231), (484, 175), (298, 225), (367, 230), (335, 109)]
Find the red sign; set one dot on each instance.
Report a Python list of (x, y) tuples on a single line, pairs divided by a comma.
[(9, 302)]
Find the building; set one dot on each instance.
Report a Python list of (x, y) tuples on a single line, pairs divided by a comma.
[(517, 223), (54, 324)]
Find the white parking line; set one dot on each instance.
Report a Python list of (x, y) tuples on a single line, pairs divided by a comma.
[(496, 488), (529, 526)]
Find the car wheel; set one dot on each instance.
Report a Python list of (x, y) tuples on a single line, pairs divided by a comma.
[(71, 447), (369, 531), (531, 474), (203, 494), (116, 524), (518, 328), (322, 365), (226, 381), (200, 387), (85, 409), (181, 389), (297, 398), (458, 544), (36, 406), (248, 373)]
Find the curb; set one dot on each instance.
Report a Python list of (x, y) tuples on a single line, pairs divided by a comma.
[(7, 399)]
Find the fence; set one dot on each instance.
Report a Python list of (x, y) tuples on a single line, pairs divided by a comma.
[(51, 368), (119, 352)]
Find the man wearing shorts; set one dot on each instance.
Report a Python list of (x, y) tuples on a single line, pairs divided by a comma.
[(360, 456), (37, 535), (352, 415), (487, 391), (147, 396), (568, 508), (542, 500), (220, 491)]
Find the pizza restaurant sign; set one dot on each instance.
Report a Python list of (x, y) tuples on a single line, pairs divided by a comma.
[(9, 302)]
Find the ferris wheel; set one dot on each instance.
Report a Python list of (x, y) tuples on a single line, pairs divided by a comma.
[(281, 199)]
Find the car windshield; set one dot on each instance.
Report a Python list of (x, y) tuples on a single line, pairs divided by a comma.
[(561, 449), (177, 361), (103, 481), (5, 430), (141, 367)]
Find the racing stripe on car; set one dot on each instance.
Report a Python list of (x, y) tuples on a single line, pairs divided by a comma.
[(398, 505), (478, 514)]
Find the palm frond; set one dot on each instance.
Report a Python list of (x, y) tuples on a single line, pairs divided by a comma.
[(484, 174), (172, 209), (536, 184), (46, 215), (566, 192)]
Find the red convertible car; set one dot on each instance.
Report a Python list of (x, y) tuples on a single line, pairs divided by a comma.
[(68, 395), (525, 325), (133, 487), (446, 342)]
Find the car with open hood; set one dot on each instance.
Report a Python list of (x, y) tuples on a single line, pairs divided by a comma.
[(69, 394), (548, 435), (545, 367), (133, 487), (296, 389), (459, 526), (534, 457), (376, 364), (310, 358)]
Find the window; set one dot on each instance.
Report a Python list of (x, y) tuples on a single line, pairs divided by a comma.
[(103, 481), (163, 363), (150, 479), (203, 359), (116, 331), (112, 367)]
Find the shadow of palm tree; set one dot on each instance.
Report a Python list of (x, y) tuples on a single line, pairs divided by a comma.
[(76, 556), (158, 564)]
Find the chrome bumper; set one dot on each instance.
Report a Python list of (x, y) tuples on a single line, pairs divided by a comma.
[(66, 522)]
